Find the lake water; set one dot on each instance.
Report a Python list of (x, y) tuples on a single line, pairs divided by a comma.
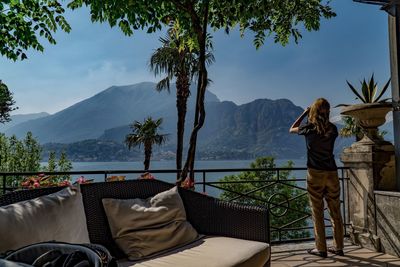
[(170, 165)]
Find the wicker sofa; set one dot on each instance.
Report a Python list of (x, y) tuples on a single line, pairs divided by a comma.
[(231, 230)]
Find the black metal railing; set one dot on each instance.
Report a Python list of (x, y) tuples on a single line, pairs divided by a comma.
[(281, 194)]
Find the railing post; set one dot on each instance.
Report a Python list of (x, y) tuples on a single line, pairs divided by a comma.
[(348, 196), (279, 235), (105, 176), (4, 184), (204, 181)]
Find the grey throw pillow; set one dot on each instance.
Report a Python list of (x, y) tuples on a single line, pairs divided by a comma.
[(56, 217), (143, 227)]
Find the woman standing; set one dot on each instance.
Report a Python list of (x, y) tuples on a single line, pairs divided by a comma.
[(322, 177)]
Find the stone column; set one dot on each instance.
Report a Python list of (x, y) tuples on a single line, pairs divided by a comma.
[(372, 167)]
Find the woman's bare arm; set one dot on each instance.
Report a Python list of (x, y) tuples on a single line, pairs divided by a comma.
[(295, 126)]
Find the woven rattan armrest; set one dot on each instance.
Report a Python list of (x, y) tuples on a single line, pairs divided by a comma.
[(211, 216), (26, 194)]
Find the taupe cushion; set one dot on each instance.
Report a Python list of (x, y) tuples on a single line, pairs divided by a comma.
[(142, 227), (59, 216), (211, 252)]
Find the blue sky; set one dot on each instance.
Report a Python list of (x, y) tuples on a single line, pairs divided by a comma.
[(93, 57)]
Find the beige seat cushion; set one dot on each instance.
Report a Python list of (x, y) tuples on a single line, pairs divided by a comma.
[(59, 216), (211, 252), (143, 227)]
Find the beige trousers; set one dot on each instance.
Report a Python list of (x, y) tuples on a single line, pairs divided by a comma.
[(320, 185)]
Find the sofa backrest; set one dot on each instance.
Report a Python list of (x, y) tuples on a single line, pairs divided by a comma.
[(21, 195), (99, 230), (92, 194), (207, 215)]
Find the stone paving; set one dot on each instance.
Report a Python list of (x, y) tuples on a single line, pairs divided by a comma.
[(296, 255)]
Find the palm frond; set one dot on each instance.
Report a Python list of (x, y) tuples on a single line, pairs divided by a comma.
[(164, 84), (177, 57), (133, 140), (158, 122), (210, 58), (145, 133), (160, 139)]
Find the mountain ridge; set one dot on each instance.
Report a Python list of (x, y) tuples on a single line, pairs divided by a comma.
[(20, 118), (94, 129), (87, 119)]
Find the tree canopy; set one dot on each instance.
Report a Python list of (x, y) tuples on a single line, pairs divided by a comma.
[(24, 22), (279, 19), (6, 103), (24, 155), (280, 193)]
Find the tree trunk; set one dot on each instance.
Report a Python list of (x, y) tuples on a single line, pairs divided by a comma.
[(200, 114), (147, 156), (182, 94)]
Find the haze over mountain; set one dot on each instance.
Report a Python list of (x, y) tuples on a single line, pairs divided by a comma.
[(94, 129), (88, 119), (20, 118)]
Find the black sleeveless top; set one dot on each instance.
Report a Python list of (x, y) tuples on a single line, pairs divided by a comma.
[(320, 147)]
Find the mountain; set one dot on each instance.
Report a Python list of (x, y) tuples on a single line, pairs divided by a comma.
[(260, 127), (245, 131), (94, 129), (236, 131), (20, 118), (115, 106), (231, 131)]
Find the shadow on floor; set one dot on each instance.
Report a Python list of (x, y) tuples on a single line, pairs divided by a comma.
[(296, 255)]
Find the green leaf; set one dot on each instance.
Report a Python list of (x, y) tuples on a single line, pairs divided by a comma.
[(365, 92), (22, 23), (371, 89), (341, 105), (383, 90), (355, 92)]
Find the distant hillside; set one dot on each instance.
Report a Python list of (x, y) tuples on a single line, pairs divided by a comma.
[(100, 150), (231, 131), (255, 129), (92, 150), (94, 129), (88, 119), (20, 118)]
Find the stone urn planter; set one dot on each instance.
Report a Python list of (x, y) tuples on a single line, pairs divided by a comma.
[(369, 116), (370, 161)]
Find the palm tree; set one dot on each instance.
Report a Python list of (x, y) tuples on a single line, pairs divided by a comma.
[(180, 61), (146, 133)]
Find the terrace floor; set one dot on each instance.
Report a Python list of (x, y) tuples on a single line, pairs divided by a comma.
[(296, 255)]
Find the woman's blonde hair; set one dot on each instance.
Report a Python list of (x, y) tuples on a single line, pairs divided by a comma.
[(319, 115)]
